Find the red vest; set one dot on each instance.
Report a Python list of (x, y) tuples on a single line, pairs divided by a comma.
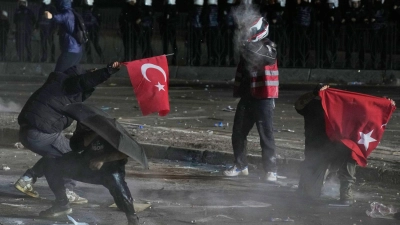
[(264, 85)]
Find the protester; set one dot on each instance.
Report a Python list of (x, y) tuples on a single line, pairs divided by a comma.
[(321, 153), (257, 65), (92, 160), (47, 29), (24, 20), (42, 121), (71, 50), (129, 25), (4, 29), (92, 18), (167, 23)]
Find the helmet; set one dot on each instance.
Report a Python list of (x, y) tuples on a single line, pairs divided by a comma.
[(198, 2), (89, 2), (171, 2), (4, 13), (248, 2), (258, 30), (282, 3), (47, 2), (334, 2), (230, 1), (148, 2), (23, 2), (212, 2)]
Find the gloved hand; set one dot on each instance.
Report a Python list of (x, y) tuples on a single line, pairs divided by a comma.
[(113, 67)]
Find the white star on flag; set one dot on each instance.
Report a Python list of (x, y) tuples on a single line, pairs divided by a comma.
[(365, 139), (160, 86)]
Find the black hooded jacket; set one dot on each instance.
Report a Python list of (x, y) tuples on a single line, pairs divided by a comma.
[(43, 111)]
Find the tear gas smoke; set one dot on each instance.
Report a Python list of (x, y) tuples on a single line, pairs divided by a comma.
[(9, 106), (244, 16)]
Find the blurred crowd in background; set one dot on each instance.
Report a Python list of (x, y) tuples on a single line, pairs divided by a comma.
[(354, 34)]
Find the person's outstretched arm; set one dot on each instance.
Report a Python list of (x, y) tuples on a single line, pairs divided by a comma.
[(89, 80)]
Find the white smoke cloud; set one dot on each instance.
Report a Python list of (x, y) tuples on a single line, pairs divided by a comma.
[(9, 106), (244, 16)]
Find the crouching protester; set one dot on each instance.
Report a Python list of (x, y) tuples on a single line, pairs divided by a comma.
[(323, 155), (92, 160), (42, 121)]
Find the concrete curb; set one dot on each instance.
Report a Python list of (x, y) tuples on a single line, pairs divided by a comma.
[(19, 70), (287, 166)]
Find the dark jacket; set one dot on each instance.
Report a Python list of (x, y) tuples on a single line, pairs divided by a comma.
[(43, 109), (66, 21), (128, 17), (46, 26), (24, 20), (91, 17)]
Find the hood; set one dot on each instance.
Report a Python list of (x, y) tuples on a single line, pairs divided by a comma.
[(62, 5)]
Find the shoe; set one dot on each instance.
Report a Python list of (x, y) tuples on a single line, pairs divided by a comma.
[(75, 198), (26, 187), (56, 211), (133, 220), (234, 171), (346, 193), (271, 176)]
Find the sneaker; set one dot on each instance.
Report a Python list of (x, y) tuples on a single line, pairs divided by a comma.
[(271, 176), (234, 171), (75, 198), (26, 187), (56, 211)]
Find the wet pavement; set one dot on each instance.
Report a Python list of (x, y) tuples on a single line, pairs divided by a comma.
[(191, 193)]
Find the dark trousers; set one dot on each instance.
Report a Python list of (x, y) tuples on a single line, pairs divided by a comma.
[(213, 40), (329, 46), (130, 39), (74, 166), (379, 45), (46, 145), (23, 45), (355, 42), (195, 38), (3, 44), (169, 38), (228, 49), (334, 156), (47, 39), (252, 111), (93, 39), (67, 60), (145, 41)]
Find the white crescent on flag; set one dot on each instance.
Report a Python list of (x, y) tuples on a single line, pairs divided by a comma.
[(147, 66)]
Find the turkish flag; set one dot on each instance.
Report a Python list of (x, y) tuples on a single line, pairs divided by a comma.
[(357, 120), (150, 78)]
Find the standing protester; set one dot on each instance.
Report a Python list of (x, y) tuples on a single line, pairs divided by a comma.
[(195, 33), (168, 22), (304, 17), (92, 19), (92, 160), (4, 29), (212, 34), (228, 31), (256, 83), (24, 20), (47, 29), (42, 121), (379, 30), (71, 50), (129, 21), (321, 153), (331, 24), (356, 25), (146, 29)]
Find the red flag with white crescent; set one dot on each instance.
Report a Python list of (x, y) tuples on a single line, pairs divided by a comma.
[(150, 79), (357, 120)]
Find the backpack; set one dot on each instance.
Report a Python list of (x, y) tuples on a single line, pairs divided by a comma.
[(80, 33)]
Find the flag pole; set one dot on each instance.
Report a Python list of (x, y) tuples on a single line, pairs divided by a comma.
[(169, 54)]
